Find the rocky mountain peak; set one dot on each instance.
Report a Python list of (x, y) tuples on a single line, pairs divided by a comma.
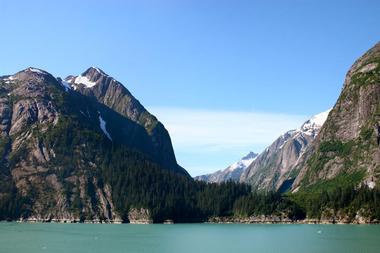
[(30, 73), (250, 155), (35, 71), (30, 82), (313, 125), (90, 78), (232, 172), (244, 162), (273, 169), (94, 74), (348, 143), (95, 83)]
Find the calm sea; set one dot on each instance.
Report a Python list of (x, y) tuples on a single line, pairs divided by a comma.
[(182, 238)]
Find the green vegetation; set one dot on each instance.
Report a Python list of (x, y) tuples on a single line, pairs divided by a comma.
[(348, 200), (270, 203), (346, 155), (81, 156), (368, 77), (366, 134), (139, 183), (338, 147)]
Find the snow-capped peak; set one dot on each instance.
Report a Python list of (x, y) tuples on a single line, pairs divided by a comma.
[(35, 70), (89, 77), (244, 162), (98, 70), (313, 125), (85, 81)]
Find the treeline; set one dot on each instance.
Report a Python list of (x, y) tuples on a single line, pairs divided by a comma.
[(11, 202), (346, 200), (139, 183), (268, 203)]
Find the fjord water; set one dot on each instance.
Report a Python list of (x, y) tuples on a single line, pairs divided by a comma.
[(86, 238)]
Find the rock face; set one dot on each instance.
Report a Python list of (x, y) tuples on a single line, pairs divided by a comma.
[(347, 148), (232, 172), (139, 216), (108, 91), (56, 140), (275, 168)]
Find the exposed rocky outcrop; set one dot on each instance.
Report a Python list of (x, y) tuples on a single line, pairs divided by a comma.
[(232, 172), (347, 150), (329, 216), (54, 148), (96, 83), (275, 168), (139, 216)]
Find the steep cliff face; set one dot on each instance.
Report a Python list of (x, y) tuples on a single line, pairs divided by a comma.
[(275, 168), (108, 91), (232, 172), (347, 148), (59, 150)]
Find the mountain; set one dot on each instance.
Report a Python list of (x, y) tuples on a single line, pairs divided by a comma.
[(79, 149), (274, 169), (233, 172), (108, 91), (346, 152)]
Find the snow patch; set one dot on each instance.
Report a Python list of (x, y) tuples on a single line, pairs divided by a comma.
[(9, 78), (243, 163), (66, 85), (85, 81), (103, 127), (36, 70), (371, 184), (313, 125)]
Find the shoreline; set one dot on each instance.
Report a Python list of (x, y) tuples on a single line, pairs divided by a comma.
[(213, 220), (281, 220)]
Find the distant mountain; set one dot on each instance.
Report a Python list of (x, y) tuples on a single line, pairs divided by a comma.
[(274, 169), (233, 172), (346, 152)]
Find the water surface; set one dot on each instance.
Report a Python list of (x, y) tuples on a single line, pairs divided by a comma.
[(183, 238)]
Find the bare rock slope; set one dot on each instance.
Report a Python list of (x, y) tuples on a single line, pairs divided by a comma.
[(347, 148), (275, 168), (59, 140), (232, 172)]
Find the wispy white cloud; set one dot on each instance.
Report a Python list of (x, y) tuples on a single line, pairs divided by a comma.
[(214, 133), (215, 130)]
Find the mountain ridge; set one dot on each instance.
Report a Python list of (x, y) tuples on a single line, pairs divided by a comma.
[(274, 167), (232, 172), (62, 152), (95, 83), (348, 143)]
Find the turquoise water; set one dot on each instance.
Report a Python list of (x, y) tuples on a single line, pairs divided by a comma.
[(182, 238)]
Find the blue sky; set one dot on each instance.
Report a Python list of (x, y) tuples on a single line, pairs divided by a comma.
[(225, 77)]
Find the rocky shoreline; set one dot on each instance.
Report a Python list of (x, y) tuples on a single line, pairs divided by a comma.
[(95, 221), (213, 220), (273, 219), (143, 216)]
